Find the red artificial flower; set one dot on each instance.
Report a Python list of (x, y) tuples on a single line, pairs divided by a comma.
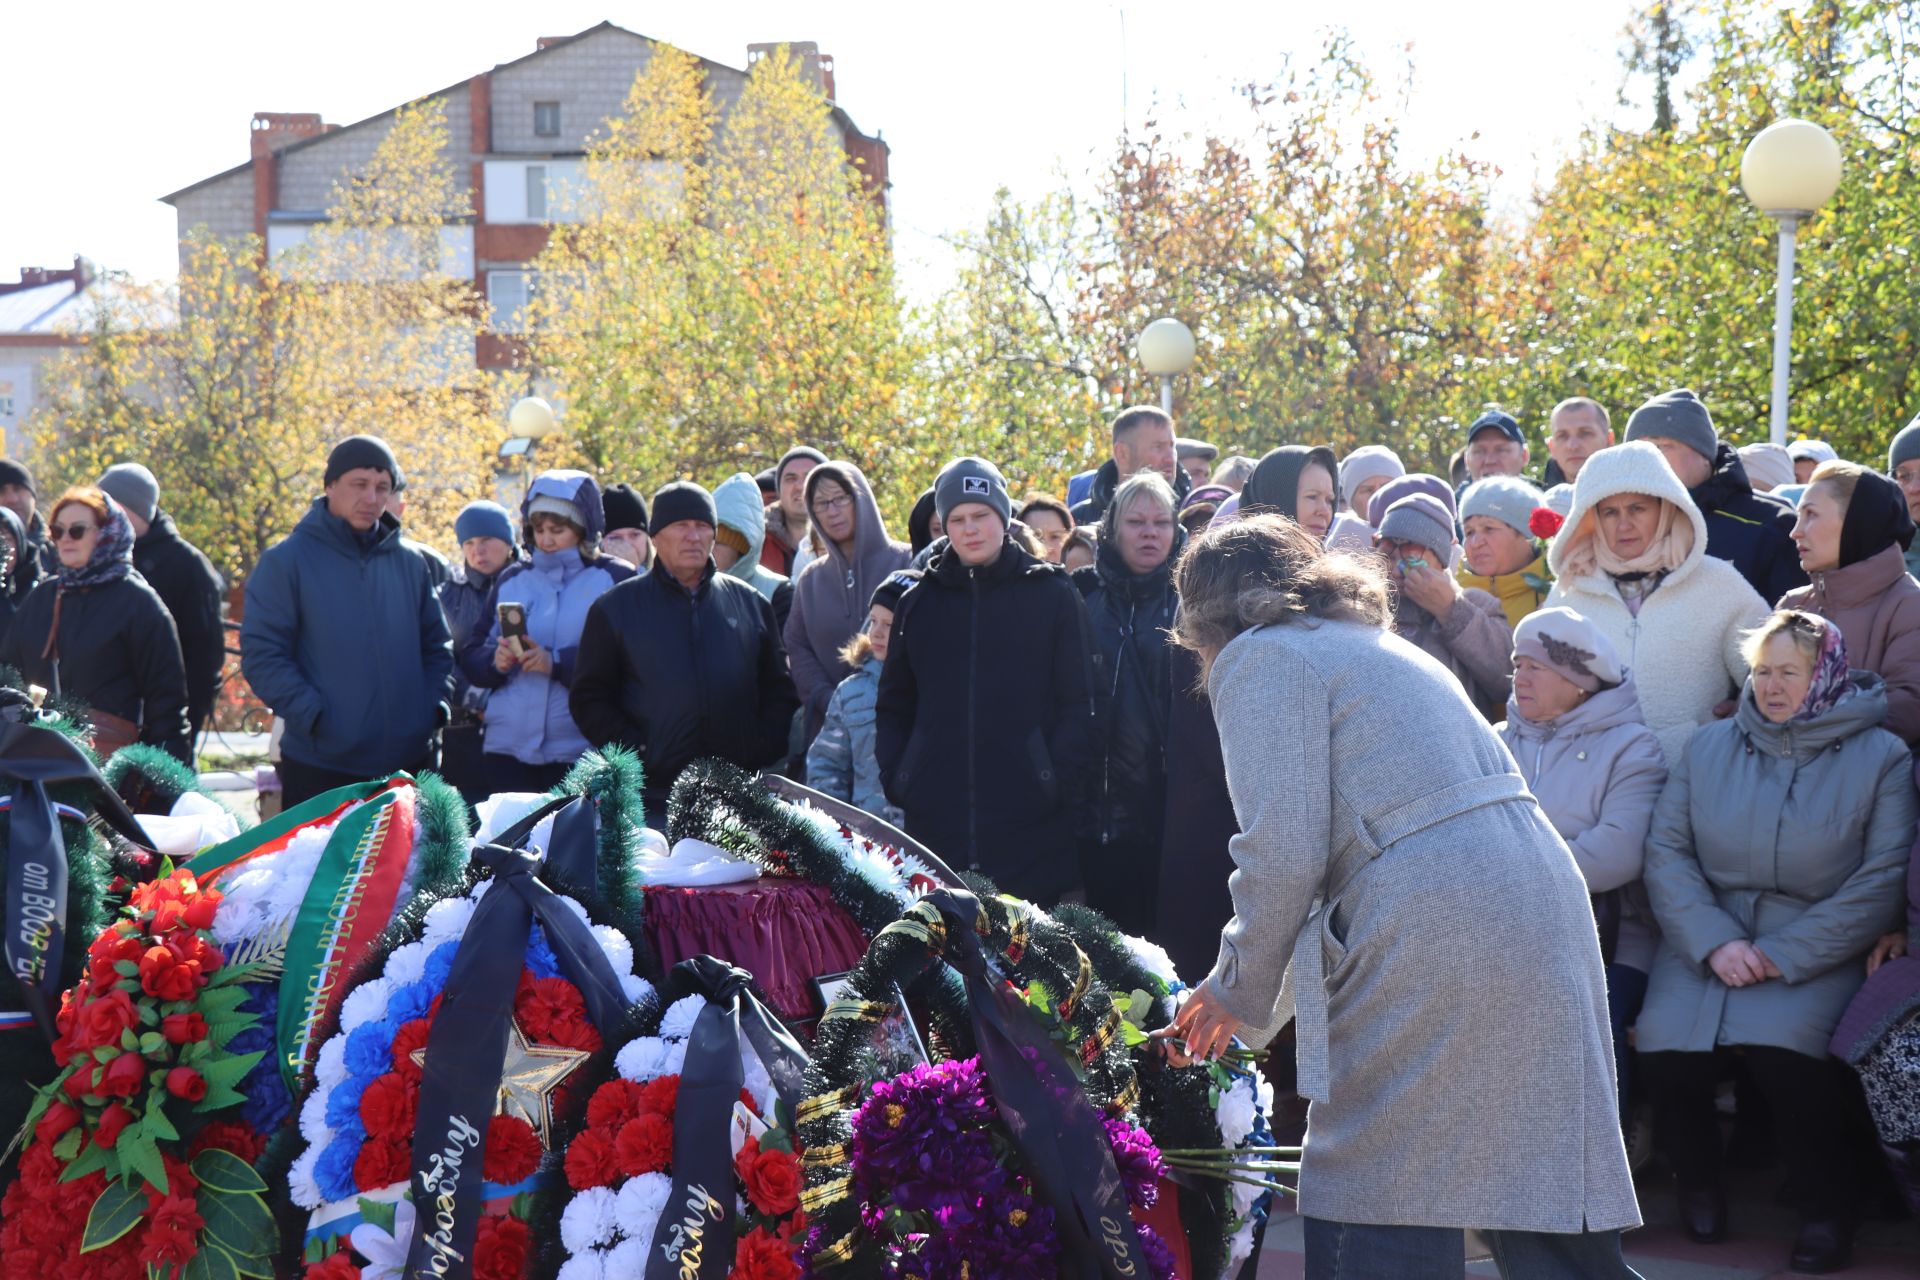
[(645, 1145), (169, 1238), (660, 1096), (761, 1255), (543, 1006), (591, 1161), (381, 1164), (572, 1033), (54, 1121), (185, 1082), (183, 1028), (101, 1020), (200, 912), (773, 1180), (80, 1083), (109, 949), (125, 1076), (164, 976), (229, 1135), (388, 1107), (1545, 522), (513, 1151), (613, 1104), (335, 1266), (500, 1248), (191, 948), (412, 1035), (795, 1228), (747, 1101), (112, 1121), (180, 1180)]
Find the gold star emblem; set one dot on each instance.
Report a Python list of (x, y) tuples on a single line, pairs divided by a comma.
[(528, 1078)]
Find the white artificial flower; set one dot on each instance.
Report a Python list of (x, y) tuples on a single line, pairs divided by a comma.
[(366, 1003), (588, 1221), (1236, 1112), (619, 951), (1263, 1089), (385, 1251), (300, 1180), (758, 1082), (576, 908), (405, 965), (629, 1257), (635, 988), (1152, 957), (642, 1059), (1240, 1249), (331, 1067), (640, 1203), (878, 870), (446, 920), (1244, 1195), (676, 1058), (313, 1118), (678, 1024), (590, 1265)]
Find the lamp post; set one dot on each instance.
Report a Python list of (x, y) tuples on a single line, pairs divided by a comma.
[(1166, 349), (529, 421), (1790, 169)]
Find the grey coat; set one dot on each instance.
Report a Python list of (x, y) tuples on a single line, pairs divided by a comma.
[(1458, 959), (1795, 839), (1597, 772)]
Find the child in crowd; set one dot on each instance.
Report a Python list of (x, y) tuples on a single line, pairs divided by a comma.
[(841, 761)]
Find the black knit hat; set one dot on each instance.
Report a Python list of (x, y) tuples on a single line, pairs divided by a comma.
[(681, 500), (625, 507), (371, 452), (12, 472), (892, 587)]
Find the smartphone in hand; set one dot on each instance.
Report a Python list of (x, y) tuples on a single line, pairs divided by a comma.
[(513, 626)]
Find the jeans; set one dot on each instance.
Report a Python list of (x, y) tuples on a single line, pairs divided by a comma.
[(1626, 992), (1354, 1251)]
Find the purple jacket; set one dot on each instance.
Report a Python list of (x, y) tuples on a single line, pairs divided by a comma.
[(1893, 992)]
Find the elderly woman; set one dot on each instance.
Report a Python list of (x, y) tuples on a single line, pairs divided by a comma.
[(1502, 557), (96, 633), (1362, 473), (1575, 728), (1853, 533), (1632, 559), (1298, 481), (1775, 861), (1464, 628), (1389, 867)]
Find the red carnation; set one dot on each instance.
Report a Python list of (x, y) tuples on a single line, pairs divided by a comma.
[(100, 1020), (171, 1228), (660, 1096), (380, 1164), (500, 1248), (54, 1121), (185, 1082), (573, 1033), (513, 1151), (164, 976), (412, 1035), (773, 1181), (125, 1076), (229, 1135), (543, 1005), (761, 1255), (388, 1106), (1545, 522), (747, 1101), (591, 1161), (613, 1104), (183, 1028), (645, 1145), (335, 1266), (112, 1121)]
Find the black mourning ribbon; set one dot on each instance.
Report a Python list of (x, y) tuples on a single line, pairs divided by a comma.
[(1055, 1128), (695, 1235), (467, 1047), (32, 758)]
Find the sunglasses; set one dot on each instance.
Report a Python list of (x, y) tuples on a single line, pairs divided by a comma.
[(75, 532)]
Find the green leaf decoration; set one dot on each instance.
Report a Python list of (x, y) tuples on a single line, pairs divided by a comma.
[(225, 1171), (140, 1154), (126, 968), (117, 1211), (149, 1015), (256, 1268), (91, 1157), (151, 1042), (69, 1144), (211, 1263), (158, 1126), (230, 1071), (377, 1213), (316, 1250), (240, 1222), (261, 957)]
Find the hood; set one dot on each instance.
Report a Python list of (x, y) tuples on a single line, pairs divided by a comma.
[(576, 487), (920, 523), (1274, 485), (870, 542), (1607, 709), (1634, 467), (1727, 484), (1865, 709), (1123, 581), (22, 549), (738, 503), (1876, 520)]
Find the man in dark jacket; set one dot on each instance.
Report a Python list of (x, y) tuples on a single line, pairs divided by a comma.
[(683, 661), (985, 703), (186, 580), (343, 636), (488, 544), (1142, 440), (1754, 531), (18, 496), (1131, 604)]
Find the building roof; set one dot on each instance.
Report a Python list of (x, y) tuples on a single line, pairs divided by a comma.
[(59, 309), (840, 116)]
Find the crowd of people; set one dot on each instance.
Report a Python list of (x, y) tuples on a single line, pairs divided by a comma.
[(1703, 662)]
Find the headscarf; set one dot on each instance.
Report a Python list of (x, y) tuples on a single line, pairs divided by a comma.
[(920, 523), (112, 556), (1876, 519), (1274, 486), (1672, 542), (1830, 685)]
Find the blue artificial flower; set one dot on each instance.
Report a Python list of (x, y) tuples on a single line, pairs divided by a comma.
[(370, 1049), (333, 1172), (410, 1002), (343, 1104), (540, 957), (439, 965)]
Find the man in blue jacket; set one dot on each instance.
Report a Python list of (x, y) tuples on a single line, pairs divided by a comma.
[(343, 635)]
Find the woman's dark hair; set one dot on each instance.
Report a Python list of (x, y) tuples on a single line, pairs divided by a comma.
[(1044, 502), (1265, 571), (1078, 538)]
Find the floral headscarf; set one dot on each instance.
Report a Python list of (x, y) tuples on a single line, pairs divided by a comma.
[(112, 556), (1830, 684)]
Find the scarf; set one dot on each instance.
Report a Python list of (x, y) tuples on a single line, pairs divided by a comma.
[(1876, 519), (1830, 686), (112, 560), (1671, 544)]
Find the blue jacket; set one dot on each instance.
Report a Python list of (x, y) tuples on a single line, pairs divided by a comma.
[(841, 761), (527, 716), (343, 637)]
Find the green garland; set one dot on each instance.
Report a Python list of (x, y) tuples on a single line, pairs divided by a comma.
[(612, 778), (149, 779)]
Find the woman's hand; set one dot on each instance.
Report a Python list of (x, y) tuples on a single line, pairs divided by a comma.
[(1203, 1024), (537, 661), (1432, 589), (504, 658), (1890, 947), (1739, 963)]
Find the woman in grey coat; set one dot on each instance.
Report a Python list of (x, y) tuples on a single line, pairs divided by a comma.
[(1770, 879), (1575, 727), (1433, 931)]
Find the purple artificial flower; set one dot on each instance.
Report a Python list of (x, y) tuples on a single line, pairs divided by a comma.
[(1159, 1257), (1141, 1167), (1010, 1237), (924, 1132)]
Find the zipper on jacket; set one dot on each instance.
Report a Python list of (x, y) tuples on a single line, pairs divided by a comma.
[(973, 662), (1106, 754)]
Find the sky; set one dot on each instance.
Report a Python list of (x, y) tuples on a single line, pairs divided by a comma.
[(107, 106)]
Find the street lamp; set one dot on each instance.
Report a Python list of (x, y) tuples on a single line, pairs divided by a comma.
[(530, 420), (1166, 349), (1790, 169)]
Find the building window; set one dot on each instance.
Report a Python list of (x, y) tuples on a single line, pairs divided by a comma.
[(508, 293), (536, 193), (546, 119)]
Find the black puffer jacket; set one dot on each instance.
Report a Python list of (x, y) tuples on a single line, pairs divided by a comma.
[(117, 652), (1132, 616), (981, 728), (1752, 530), (192, 590), (466, 598), (679, 676), (1091, 508)]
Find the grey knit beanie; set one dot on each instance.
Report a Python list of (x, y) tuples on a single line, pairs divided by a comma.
[(1905, 446), (967, 480), (133, 487), (1508, 499), (1420, 518), (1366, 462), (1676, 415)]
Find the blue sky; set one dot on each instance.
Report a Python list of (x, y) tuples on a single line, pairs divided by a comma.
[(108, 106)]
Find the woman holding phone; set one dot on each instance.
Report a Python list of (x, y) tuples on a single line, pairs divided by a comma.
[(527, 656)]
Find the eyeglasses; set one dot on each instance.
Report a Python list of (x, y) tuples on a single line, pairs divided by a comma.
[(840, 503), (75, 532)]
